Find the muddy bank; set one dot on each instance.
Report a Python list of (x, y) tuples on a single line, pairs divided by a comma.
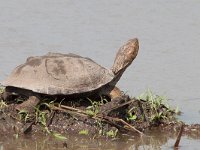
[(95, 118)]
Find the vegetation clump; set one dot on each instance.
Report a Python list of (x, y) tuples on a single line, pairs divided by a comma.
[(155, 108)]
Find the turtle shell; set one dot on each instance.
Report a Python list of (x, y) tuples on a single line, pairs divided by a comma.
[(57, 73)]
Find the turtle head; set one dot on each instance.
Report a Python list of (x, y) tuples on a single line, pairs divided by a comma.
[(125, 56)]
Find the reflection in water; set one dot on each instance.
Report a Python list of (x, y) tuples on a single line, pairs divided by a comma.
[(153, 140)]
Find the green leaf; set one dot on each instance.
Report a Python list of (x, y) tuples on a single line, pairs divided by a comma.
[(112, 133), (90, 112), (23, 111), (83, 132), (59, 136), (133, 117)]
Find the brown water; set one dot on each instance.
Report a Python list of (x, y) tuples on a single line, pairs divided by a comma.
[(153, 141), (168, 61)]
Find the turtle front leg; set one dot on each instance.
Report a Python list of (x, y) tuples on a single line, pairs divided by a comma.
[(28, 105), (115, 93)]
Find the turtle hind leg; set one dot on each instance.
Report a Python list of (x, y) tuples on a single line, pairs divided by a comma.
[(29, 104), (115, 93)]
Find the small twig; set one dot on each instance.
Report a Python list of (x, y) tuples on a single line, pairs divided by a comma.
[(179, 136), (28, 127), (68, 111), (125, 123), (50, 119), (69, 108), (121, 105), (132, 127)]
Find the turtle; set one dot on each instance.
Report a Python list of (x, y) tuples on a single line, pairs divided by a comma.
[(67, 74)]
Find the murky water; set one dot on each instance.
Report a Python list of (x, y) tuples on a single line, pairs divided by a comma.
[(154, 142), (168, 61)]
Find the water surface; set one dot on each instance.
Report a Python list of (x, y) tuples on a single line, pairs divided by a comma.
[(168, 60)]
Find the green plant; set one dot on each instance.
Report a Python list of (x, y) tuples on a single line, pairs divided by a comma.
[(112, 133), (131, 116), (84, 132), (157, 117), (100, 126), (2, 90), (58, 136), (41, 117), (93, 110), (154, 100), (158, 110), (2, 105), (23, 115)]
